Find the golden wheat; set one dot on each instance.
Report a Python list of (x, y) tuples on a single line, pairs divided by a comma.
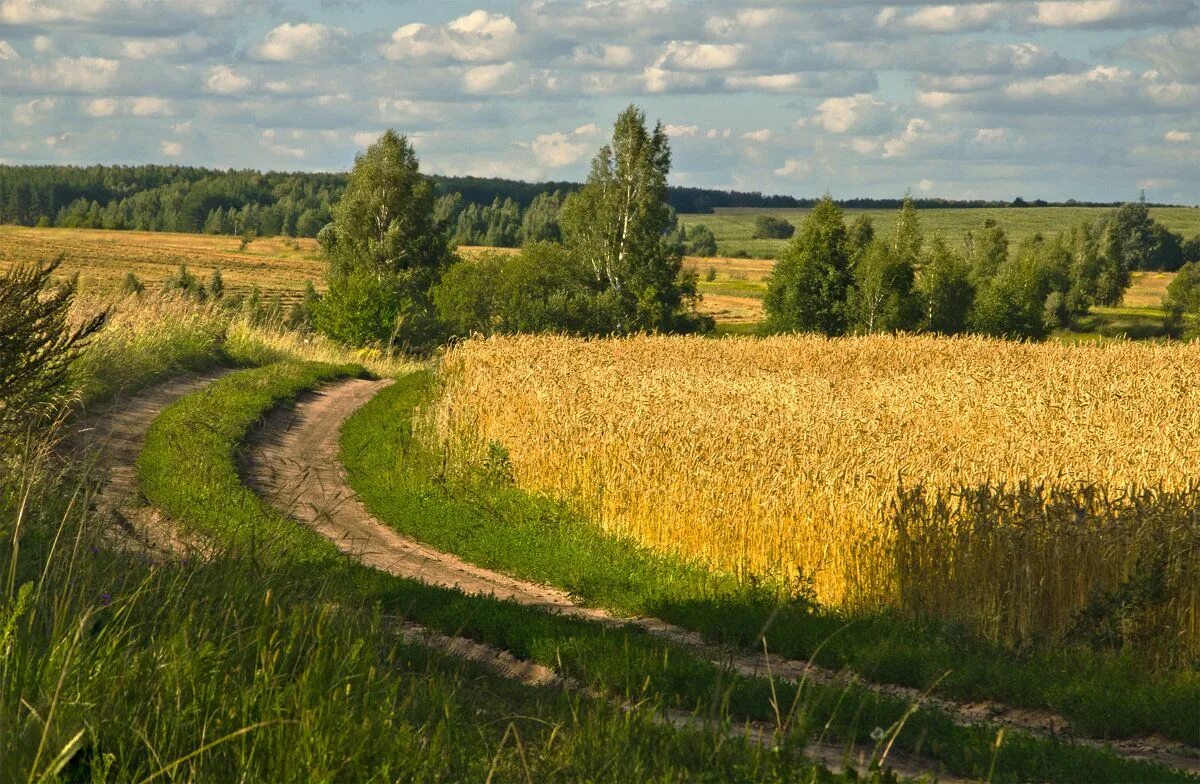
[(791, 456)]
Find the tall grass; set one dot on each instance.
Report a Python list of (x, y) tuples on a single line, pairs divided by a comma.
[(795, 459)]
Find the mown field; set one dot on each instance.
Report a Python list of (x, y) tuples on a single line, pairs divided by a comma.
[(734, 227)]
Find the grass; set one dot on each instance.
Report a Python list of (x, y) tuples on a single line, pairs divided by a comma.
[(620, 662), (734, 227), (498, 526)]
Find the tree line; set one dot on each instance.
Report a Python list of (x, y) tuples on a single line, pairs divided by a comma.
[(837, 278)]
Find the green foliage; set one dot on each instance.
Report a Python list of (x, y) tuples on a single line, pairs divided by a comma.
[(987, 251), (882, 297), (768, 227), (216, 284), (38, 343), (1182, 301), (385, 251), (699, 241), (907, 239), (617, 228), (807, 290), (945, 289)]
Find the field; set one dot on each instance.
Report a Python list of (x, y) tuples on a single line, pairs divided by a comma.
[(734, 227), (879, 471)]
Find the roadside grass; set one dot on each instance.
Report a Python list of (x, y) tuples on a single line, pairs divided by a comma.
[(495, 525), (116, 669), (624, 663)]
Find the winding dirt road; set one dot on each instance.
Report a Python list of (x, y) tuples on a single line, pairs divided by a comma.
[(293, 462)]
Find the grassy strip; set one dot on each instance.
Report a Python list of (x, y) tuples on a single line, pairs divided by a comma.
[(622, 662), (498, 526)]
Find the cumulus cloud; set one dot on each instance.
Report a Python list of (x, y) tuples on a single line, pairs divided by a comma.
[(223, 80), (794, 169), (63, 75), (692, 56), (170, 149), (101, 107), (1178, 136), (681, 131), (1110, 13), (607, 56), (560, 149), (7, 52), (33, 111), (946, 18), (478, 37), (304, 42), (491, 79), (273, 145), (861, 113), (149, 106), (761, 135)]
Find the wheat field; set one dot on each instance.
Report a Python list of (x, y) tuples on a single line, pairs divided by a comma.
[(870, 467)]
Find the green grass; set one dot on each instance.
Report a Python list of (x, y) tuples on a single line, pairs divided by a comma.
[(734, 228), (503, 528), (305, 569), (277, 659)]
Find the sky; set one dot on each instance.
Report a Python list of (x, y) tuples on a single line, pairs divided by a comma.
[(1086, 99)]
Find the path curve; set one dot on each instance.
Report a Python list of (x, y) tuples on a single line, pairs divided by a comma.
[(293, 462), (113, 437)]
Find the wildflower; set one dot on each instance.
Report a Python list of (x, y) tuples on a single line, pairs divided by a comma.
[(106, 598), (877, 734)]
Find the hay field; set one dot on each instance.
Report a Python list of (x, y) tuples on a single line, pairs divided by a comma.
[(862, 464)]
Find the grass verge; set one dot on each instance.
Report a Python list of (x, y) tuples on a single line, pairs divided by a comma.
[(495, 525)]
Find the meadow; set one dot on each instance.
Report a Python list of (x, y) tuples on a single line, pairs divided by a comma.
[(734, 227), (1012, 488)]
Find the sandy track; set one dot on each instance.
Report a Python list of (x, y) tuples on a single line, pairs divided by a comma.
[(293, 462), (114, 437)]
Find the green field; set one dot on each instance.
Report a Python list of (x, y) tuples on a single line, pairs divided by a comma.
[(734, 227)]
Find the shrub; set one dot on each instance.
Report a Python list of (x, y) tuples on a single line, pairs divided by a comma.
[(768, 227)]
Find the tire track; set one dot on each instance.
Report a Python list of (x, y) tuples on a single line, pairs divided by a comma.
[(293, 462)]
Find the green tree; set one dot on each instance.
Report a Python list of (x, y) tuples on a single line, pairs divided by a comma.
[(768, 227), (1012, 303), (945, 289), (700, 241), (385, 251), (37, 344), (1182, 300), (465, 297), (806, 291), (616, 227), (881, 299), (907, 239), (861, 232), (987, 251), (216, 284)]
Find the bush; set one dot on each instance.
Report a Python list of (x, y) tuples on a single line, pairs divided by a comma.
[(767, 227)]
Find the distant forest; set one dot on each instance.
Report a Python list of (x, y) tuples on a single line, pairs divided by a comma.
[(477, 210)]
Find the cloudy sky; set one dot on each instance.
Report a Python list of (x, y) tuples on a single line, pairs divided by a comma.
[(1092, 99)]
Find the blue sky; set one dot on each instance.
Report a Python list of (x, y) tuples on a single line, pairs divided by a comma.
[(1091, 99)]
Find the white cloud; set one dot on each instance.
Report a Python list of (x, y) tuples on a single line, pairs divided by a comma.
[(491, 79), (915, 132), (182, 127), (691, 56), (713, 133), (662, 80), (478, 37), (222, 79), (68, 74), (560, 149), (170, 149), (23, 12), (148, 106), (680, 131), (269, 141), (955, 18), (1082, 13), (990, 135), (101, 107), (29, 113), (366, 138), (1178, 136), (42, 44), (57, 139), (761, 135), (862, 112), (303, 42), (794, 169), (147, 48), (608, 56), (7, 52), (925, 185)]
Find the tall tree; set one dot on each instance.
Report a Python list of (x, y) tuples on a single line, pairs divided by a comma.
[(987, 250), (945, 289), (385, 251), (807, 289), (881, 299), (906, 239), (616, 227)]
